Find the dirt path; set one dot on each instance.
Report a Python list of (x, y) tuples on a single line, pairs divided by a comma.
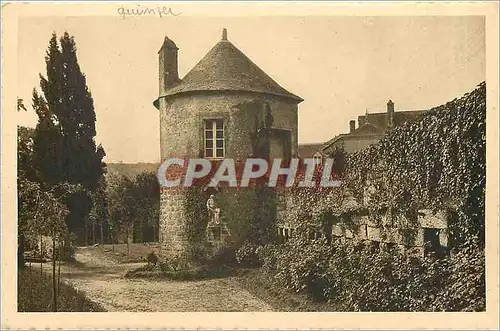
[(103, 282)]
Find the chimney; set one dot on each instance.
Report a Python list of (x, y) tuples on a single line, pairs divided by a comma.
[(169, 74), (390, 114), (352, 125), (224, 34)]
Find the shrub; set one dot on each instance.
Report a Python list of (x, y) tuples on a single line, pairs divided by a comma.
[(151, 258), (465, 287), (359, 280), (165, 271), (246, 255), (223, 257), (267, 257)]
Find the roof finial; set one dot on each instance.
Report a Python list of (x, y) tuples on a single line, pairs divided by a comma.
[(224, 34)]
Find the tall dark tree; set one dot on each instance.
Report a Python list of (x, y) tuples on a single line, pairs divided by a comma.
[(47, 145), (64, 142)]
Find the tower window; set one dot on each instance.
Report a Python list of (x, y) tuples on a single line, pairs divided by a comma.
[(214, 139)]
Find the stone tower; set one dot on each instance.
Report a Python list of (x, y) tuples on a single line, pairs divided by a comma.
[(214, 112)]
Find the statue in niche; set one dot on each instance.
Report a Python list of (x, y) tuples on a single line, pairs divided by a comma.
[(213, 211), (215, 228)]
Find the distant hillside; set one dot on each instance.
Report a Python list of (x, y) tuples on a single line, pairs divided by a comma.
[(131, 169)]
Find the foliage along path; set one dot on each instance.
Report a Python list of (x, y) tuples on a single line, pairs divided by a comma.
[(103, 282)]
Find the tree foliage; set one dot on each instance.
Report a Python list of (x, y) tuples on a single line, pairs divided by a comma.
[(132, 204), (64, 140), (59, 164), (147, 194), (99, 213)]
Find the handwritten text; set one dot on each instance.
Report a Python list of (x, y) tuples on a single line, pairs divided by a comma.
[(161, 11)]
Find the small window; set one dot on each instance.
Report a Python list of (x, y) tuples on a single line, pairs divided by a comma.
[(431, 240), (214, 139)]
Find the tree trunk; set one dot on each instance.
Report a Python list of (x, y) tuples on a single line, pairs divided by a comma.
[(102, 234), (20, 251), (128, 242), (154, 233), (41, 258), (54, 280), (59, 267), (86, 230), (93, 231)]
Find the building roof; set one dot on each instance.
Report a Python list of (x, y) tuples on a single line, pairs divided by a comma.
[(367, 128), (374, 124), (364, 130), (380, 119), (308, 150), (168, 43), (226, 68)]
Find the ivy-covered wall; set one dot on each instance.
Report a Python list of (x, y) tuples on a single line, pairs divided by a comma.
[(428, 174), (420, 175)]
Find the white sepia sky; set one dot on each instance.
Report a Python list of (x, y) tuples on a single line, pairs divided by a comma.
[(342, 66)]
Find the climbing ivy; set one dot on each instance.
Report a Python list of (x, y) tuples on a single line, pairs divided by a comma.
[(437, 162), (195, 213)]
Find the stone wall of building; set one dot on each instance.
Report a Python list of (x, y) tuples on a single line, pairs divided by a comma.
[(182, 118), (182, 135), (355, 143), (172, 237), (430, 233), (413, 240)]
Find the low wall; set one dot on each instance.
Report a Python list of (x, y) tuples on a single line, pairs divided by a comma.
[(430, 233)]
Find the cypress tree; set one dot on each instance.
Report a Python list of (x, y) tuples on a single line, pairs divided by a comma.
[(64, 144)]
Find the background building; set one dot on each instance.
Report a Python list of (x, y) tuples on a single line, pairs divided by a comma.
[(371, 128)]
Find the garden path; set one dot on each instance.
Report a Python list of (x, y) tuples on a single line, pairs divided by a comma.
[(102, 281)]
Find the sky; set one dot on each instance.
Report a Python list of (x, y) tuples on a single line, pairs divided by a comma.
[(342, 66)]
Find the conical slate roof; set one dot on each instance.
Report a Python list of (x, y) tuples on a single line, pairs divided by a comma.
[(226, 68)]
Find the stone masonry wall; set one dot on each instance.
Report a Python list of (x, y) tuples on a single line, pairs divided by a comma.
[(383, 232), (411, 241), (172, 237), (182, 135), (181, 118)]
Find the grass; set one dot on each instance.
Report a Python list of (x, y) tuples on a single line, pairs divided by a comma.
[(138, 252), (281, 299), (193, 273), (34, 294)]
